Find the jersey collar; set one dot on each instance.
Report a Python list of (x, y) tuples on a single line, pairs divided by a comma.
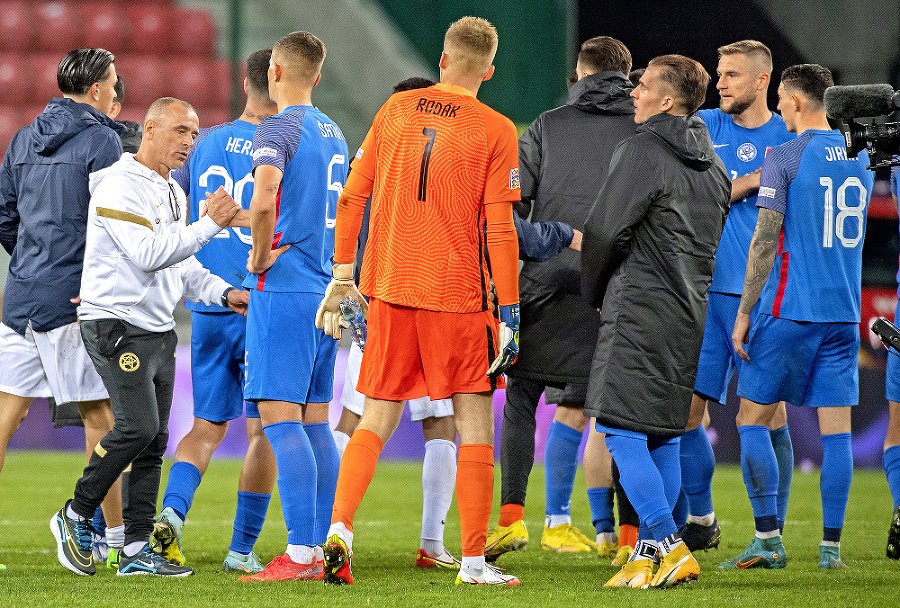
[(452, 88)]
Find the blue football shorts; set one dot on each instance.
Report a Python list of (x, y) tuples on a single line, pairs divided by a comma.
[(287, 358), (217, 366), (718, 361), (811, 364)]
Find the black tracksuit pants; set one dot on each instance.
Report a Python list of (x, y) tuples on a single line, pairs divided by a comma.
[(138, 369)]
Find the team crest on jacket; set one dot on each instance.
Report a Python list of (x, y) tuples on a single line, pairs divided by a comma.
[(129, 362), (746, 152), (514, 179)]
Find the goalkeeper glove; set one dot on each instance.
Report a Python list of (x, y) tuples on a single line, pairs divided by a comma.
[(509, 340), (329, 316)]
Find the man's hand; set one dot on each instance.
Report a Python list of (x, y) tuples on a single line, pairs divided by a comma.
[(241, 218), (508, 337), (329, 316), (741, 334), (576, 241), (221, 207), (238, 300), (260, 266), (745, 185)]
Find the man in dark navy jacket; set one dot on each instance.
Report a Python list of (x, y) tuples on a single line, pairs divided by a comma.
[(43, 210)]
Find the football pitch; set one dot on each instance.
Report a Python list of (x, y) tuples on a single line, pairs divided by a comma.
[(33, 485)]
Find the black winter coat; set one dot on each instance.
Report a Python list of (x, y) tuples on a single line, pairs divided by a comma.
[(563, 161), (648, 257)]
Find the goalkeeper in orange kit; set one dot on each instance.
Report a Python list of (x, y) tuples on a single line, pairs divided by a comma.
[(440, 167)]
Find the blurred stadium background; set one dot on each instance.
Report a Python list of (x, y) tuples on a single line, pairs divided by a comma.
[(193, 50)]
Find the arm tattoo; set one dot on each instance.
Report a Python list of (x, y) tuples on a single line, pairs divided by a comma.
[(761, 256)]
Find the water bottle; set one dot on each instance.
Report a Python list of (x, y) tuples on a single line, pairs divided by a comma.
[(355, 320)]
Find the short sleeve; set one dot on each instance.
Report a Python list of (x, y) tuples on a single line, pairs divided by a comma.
[(773, 182), (272, 142)]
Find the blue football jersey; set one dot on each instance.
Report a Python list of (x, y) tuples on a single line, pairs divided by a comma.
[(221, 156), (311, 152), (742, 150), (824, 196)]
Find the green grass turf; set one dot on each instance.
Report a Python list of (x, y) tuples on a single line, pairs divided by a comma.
[(34, 485)]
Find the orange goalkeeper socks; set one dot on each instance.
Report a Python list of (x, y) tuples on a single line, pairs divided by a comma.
[(510, 514), (474, 493), (627, 535), (357, 469)]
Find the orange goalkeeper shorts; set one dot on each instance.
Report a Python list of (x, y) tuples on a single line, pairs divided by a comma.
[(411, 352)]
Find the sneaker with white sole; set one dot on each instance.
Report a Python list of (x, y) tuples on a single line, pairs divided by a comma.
[(73, 542), (245, 564), (148, 561), (426, 560), (490, 575)]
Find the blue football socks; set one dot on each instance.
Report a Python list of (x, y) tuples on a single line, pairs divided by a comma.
[(697, 465), (328, 461), (561, 463), (760, 468), (248, 520), (784, 455), (297, 478), (184, 479), (891, 462), (834, 483)]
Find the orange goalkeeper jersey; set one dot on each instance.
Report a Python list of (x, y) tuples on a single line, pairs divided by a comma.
[(437, 156)]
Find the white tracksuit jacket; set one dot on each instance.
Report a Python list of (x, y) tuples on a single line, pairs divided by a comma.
[(138, 261)]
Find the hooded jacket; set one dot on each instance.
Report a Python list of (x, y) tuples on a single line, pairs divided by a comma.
[(139, 258), (43, 210), (563, 160), (647, 260)]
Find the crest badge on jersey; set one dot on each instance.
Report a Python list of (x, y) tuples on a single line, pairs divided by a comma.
[(746, 152), (514, 179)]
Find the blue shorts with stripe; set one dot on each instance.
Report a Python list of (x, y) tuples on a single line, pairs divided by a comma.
[(287, 358), (217, 366), (811, 364)]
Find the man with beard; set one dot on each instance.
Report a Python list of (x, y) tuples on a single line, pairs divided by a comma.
[(742, 129)]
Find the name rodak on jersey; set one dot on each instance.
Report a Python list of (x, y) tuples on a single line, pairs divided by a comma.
[(430, 106)]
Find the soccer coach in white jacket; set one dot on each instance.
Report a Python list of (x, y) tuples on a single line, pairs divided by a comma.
[(138, 264)]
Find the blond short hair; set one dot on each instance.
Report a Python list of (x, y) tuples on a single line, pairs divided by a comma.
[(472, 42), (753, 49), (302, 55)]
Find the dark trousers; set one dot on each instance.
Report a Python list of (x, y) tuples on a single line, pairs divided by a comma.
[(517, 438), (138, 369), (517, 446)]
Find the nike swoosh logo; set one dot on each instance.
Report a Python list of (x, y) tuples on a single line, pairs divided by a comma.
[(719, 145), (74, 549), (497, 542), (749, 563), (674, 570)]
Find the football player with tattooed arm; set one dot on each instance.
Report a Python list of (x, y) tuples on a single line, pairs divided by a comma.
[(804, 266), (439, 165)]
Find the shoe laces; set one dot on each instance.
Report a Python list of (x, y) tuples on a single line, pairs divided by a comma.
[(85, 533)]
